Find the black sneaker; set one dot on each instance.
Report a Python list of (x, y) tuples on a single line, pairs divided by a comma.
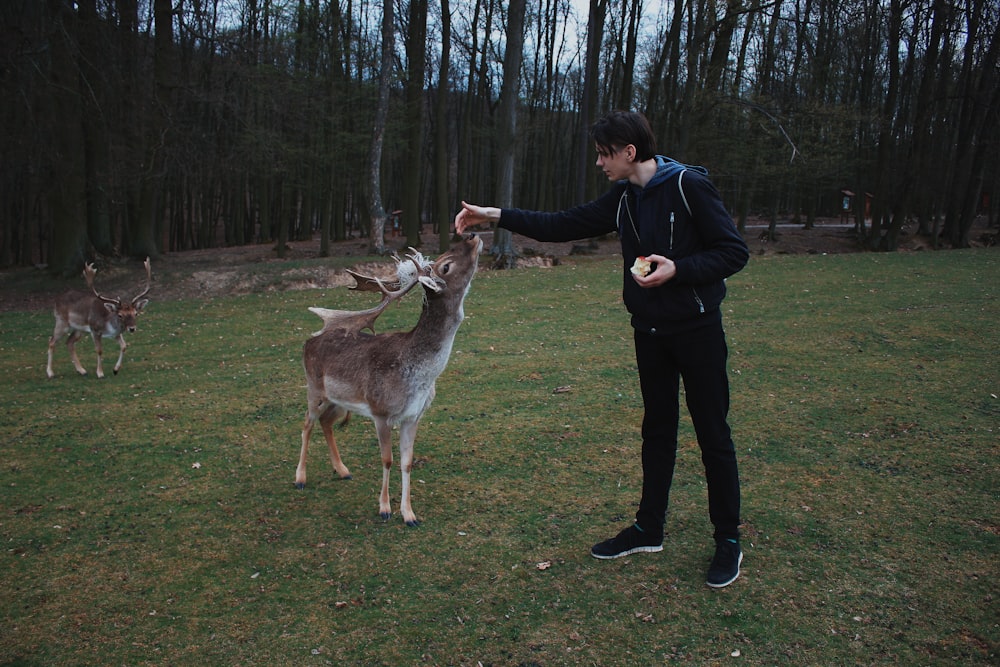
[(725, 567), (630, 541)]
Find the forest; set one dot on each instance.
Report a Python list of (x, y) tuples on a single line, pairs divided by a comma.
[(133, 128)]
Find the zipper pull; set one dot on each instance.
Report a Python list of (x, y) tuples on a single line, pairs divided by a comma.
[(671, 230)]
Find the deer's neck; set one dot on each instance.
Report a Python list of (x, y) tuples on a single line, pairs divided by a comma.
[(438, 324)]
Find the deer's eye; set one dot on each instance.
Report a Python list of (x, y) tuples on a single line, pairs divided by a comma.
[(445, 269)]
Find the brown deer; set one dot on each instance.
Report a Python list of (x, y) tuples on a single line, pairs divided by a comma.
[(388, 377), (100, 316)]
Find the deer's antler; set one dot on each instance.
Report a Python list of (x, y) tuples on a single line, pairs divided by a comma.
[(149, 282), (407, 279), (88, 274)]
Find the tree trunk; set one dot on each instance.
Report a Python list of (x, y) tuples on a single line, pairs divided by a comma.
[(95, 139), (416, 48), (67, 197), (142, 237), (885, 164), (979, 91), (441, 172), (503, 242), (588, 106), (628, 65), (375, 209)]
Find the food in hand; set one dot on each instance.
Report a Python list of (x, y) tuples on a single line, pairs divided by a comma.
[(641, 266)]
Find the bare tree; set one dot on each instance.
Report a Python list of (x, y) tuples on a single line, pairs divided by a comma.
[(413, 91), (588, 106), (375, 208), (62, 107), (161, 125), (441, 171), (503, 245)]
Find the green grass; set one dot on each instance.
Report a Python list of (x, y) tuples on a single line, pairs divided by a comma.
[(151, 518)]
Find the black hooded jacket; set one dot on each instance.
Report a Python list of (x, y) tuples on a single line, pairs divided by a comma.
[(680, 215)]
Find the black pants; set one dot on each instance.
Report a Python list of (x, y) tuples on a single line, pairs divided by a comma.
[(699, 359)]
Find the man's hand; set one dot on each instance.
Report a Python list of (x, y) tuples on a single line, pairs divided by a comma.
[(472, 216), (664, 271)]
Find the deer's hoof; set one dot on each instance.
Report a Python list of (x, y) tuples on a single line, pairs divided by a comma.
[(347, 477), (300, 485), (385, 515), (413, 523)]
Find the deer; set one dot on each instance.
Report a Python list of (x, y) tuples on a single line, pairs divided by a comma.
[(388, 377), (101, 316)]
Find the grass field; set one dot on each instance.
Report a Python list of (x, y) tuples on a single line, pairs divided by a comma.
[(151, 518)]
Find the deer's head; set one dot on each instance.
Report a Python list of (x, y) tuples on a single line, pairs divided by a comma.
[(452, 272), (446, 282), (125, 311)]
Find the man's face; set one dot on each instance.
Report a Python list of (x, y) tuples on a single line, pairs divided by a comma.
[(616, 162)]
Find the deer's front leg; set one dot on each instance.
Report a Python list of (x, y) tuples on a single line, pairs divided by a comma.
[(121, 353), (407, 436), (99, 346), (385, 447), (49, 373)]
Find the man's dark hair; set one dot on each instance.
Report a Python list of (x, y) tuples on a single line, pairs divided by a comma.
[(618, 129)]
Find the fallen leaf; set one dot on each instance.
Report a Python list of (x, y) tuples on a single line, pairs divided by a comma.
[(562, 390), (544, 565), (195, 465)]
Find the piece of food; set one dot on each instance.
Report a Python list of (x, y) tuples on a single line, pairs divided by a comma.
[(641, 266)]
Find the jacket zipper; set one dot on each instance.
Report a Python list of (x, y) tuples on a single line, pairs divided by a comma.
[(628, 211), (701, 305)]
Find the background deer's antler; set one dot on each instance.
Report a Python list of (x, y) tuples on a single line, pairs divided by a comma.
[(149, 282), (88, 274)]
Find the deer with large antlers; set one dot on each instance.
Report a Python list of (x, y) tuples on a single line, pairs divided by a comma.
[(389, 377), (101, 316)]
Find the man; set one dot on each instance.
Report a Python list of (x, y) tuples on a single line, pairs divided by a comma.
[(672, 215)]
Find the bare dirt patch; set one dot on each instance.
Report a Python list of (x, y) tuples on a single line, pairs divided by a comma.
[(254, 268), (257, 268)]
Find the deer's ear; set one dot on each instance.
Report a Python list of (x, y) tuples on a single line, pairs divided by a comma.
[(140, 304), (431, 283), (112, 307)]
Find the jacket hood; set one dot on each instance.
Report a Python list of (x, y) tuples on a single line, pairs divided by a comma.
[(667, 167)]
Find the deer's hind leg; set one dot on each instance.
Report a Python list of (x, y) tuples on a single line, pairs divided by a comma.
[(60, 331), (331, 416), (300, 471), (327, 414), (71, 346)]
